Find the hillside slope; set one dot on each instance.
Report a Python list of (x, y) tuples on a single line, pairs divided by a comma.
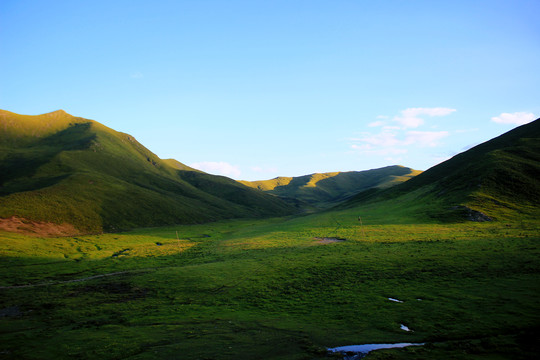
[(498, 179), (325, 189), (63, 169)]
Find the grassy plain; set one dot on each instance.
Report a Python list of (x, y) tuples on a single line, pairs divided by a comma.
[(268, 289)]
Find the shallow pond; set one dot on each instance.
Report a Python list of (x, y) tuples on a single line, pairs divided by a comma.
[(352, 352)]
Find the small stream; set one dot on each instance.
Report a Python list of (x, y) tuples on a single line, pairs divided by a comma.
[(353, 352)]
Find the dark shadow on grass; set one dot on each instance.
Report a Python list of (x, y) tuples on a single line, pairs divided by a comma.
[(18, 168)]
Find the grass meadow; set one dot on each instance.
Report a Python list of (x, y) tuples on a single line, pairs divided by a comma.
[(269, 289)]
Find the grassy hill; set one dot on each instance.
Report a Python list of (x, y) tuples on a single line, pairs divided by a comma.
[(325, 189), (283, 288), (497, 179), (61, 169)]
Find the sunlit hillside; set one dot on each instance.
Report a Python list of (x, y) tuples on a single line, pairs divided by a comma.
[(78, 173), (321, 190), (496, 180)]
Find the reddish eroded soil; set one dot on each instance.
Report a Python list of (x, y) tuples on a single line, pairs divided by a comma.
[(37, 228)]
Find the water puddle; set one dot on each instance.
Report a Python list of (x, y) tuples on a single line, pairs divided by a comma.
[(121, 252), (404, 328), (353, 352)]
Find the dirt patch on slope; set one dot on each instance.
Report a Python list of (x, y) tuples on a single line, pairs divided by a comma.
[(328, 240), (37, 228)]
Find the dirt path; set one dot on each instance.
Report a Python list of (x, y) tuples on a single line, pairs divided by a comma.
[(75, 280)]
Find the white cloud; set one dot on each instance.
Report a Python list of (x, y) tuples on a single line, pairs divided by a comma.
[(517, 118), (402, 136), (409, 122), (362, 147), (219, 168), (384, 138), (376, 123), (410, 118)]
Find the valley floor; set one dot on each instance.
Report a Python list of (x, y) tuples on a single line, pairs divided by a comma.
[(274, 289)]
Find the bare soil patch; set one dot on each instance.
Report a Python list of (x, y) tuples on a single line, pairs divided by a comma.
[(37, 228), (329, 240)]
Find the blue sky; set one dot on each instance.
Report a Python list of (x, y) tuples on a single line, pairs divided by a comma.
[(258, 89)]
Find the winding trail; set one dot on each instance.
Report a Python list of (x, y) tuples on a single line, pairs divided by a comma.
[(75, 280)]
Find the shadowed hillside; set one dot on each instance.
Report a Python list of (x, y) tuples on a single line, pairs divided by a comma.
[(322, 190), (63, 169), (498, 179)]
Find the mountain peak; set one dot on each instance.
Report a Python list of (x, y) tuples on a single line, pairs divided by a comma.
[(59, 112)]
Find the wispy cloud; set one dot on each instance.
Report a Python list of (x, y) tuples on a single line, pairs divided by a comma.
[(384, 139), (395, 136), (218, 168), (412, 117), (517, 118), (387, 142), (377, 123), (425, 138)]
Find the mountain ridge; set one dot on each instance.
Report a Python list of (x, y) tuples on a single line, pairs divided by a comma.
[(79, 174), (63, 169), (322, 190)]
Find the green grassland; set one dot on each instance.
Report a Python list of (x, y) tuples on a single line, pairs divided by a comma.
[(269, 289)]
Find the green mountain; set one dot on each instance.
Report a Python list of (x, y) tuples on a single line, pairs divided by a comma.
[(322, 190), (498, 179), (60, 169)]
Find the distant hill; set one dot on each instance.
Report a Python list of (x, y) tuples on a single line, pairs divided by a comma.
[(179, 166), (322, 190), (60, 169), (498, 179)]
